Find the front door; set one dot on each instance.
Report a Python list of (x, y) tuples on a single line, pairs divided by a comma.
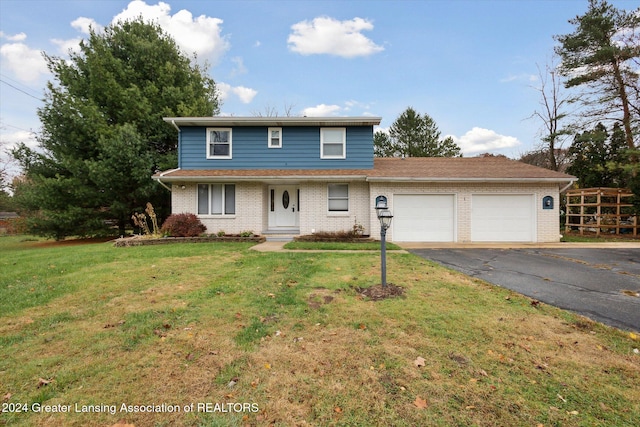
[(284, 204)]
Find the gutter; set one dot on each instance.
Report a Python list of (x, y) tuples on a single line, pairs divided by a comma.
[(567, 186), (163, 174)]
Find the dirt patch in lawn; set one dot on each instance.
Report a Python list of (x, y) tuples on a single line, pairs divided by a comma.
[(379, 292)]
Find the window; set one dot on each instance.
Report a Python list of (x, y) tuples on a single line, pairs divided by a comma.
[(333, 143), (338, 200), (216, 199), (218, 143), (275, 137)]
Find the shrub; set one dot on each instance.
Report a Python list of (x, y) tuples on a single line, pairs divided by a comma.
[(183, 225)]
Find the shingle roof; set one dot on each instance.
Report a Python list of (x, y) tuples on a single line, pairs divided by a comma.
[(461, 168), (394, 169)]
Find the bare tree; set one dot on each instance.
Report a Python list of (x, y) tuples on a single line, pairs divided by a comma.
[(271, 111), (553, 112)]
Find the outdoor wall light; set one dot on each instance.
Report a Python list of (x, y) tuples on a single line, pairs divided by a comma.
[(183, 186), (385, 217)]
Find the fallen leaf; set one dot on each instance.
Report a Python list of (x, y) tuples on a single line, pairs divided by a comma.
[(43, 382), (7, 396), (123, 423), (419, 361), (633, 336), (573, 412), (561, 398), (255, 382), (337, 409), (470, 407), (238, 316), (420, 403), (267, 366), (362, 326)]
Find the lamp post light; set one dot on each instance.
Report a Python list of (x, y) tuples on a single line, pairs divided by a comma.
[(385, 217)]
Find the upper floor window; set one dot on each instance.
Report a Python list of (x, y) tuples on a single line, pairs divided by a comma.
[(275, 138), (333, 143), (218, 143)]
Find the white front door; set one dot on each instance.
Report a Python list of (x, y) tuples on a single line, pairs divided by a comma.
[(283, 206)]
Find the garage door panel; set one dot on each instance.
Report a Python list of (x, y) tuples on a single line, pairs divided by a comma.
[(502, 218), (423, 218)]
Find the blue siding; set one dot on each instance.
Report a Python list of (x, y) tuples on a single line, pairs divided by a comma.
[(300, 149)]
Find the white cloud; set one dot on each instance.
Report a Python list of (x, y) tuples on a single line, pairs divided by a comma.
[(64, 46), (11, 140), (239, 67), (15, 38), (325, 35), (83, 25), (480, 140), (244, 94), (321, 110), (523, 77), (201, 35), (26, 64)]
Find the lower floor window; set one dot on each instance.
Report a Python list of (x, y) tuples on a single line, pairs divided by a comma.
[(338, 197), (216, 199)]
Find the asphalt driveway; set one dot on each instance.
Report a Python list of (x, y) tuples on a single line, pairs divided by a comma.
[(602, 284)]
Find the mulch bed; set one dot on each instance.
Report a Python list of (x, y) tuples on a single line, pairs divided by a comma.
[(378, 292), (138, 241)]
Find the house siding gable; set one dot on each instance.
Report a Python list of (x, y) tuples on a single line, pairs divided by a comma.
[(300, 149)]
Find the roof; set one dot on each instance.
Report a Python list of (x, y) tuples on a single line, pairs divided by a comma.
[(425, 169), (272, 121), (461, 169)]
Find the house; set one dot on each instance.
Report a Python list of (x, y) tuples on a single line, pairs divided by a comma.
[(301, 175)]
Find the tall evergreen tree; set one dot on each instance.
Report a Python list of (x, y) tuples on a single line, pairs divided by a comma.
[(601, 57), (414, 135), (102, 129)]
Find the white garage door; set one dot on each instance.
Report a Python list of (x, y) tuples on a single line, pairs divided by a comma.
[(502, 218), (423, 217)]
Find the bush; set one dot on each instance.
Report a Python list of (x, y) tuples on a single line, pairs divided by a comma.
[(183, 225)]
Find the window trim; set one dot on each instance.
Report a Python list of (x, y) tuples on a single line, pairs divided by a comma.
[(329, 198), (344, 143), (209, 143), (210, 198), (269, 140)]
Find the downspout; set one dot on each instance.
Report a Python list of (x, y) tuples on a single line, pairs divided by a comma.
[(162, 174), (567, 186), (173, 122)]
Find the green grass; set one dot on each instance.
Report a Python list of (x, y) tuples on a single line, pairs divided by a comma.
[(219, 323)]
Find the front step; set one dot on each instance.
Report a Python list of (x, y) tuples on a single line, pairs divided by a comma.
[(283, 235)]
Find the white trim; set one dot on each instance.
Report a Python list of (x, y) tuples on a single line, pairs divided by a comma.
[(223, 209), (343, 143), (209, 142), (338, 212), (229, 121), (270, 140)]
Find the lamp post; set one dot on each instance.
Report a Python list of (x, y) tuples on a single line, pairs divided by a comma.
[(385, 217)]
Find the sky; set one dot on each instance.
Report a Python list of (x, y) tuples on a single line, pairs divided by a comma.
[(472, 65)]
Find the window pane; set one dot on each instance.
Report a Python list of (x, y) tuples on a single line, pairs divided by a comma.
[(219, 136), (216, 199), (220, 149), (330, 135), (333, 149), (339, 205), (203, 199), (229, 199), (338, 190)]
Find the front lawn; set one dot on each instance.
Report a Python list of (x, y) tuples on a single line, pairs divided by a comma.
[(214, 334)]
